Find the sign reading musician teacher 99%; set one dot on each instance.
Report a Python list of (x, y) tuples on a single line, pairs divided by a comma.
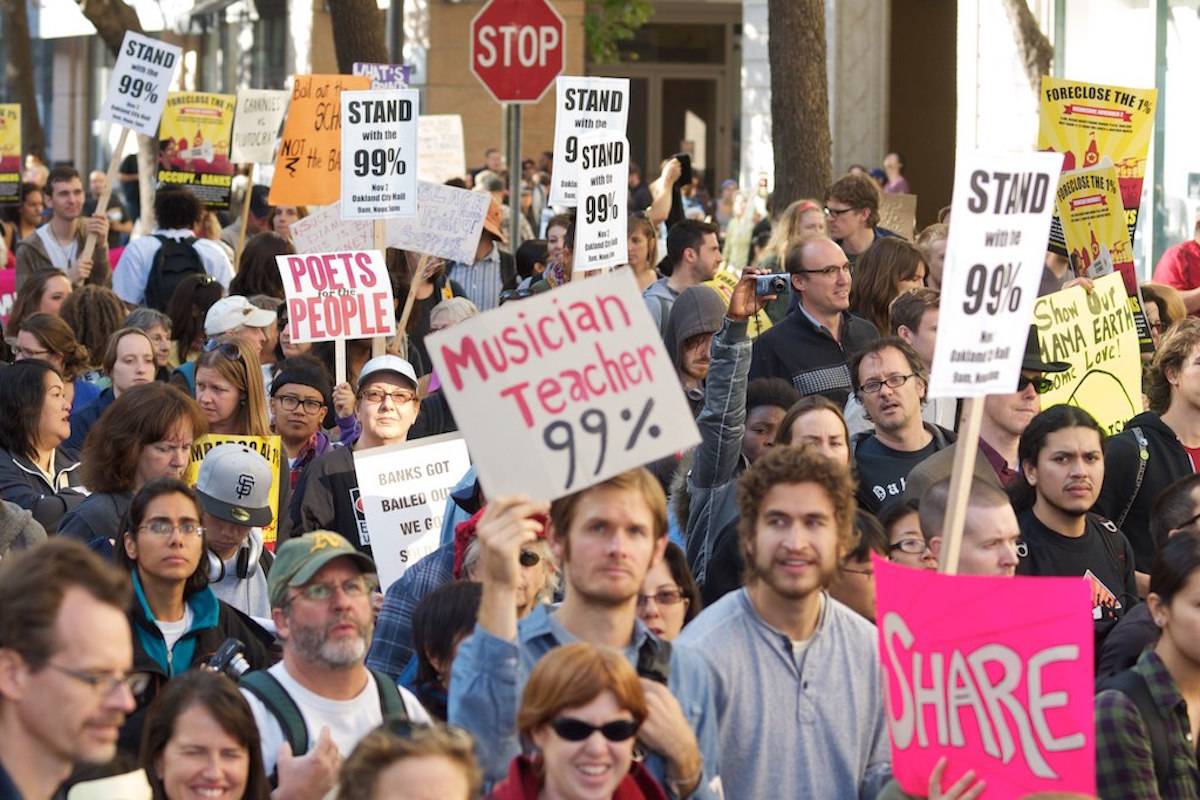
[(563, 390)]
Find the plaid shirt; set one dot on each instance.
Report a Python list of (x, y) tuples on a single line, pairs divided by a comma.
[(1124, 762), (392, 645)]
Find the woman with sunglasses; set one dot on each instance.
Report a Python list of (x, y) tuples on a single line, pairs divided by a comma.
[(670, 598), (229, 390), (176, 619), (579, 717)]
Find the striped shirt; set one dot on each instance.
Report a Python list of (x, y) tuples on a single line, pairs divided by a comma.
[(480, 281)]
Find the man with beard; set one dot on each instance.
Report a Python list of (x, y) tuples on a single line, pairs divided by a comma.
[(321, 692)]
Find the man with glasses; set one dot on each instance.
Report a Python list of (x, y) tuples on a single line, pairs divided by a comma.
[(327, 495), (810, 346), (65, 655), (890, 381), (312, 707), (300, 398), (852, 208)]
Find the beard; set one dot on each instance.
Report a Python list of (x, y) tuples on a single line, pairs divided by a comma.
[(762, 570), (314, 644)]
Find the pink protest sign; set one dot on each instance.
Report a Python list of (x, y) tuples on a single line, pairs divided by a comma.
[(334, 296), (995, 674)]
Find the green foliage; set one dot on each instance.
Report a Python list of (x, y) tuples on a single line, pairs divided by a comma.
[(607, 23)]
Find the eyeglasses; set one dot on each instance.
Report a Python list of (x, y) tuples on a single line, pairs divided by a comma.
[(1040, 385), (137, 682), (837, 212), (914, 547), (321, 592), (291, 402), (399, 398), (20, 353), (663, 597), (529, 558), (576, 730), (165, 527), (891, 381), (832, 269), (1156, 327)]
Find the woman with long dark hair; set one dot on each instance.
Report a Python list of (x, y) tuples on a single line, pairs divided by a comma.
[(47, 338), (193, 297)]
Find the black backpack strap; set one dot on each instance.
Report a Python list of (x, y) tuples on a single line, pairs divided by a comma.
[(1133, 685), (391, 703), (1143, 457), (270, 692)]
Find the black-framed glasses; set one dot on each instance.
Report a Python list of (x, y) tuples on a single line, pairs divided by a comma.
[(576, 730), (891, 381), (837, 212), (663, 597), (291, 402), (832, 269), (164, 527), (529, 558), (1040, 385), (912, 546), (107, 683)]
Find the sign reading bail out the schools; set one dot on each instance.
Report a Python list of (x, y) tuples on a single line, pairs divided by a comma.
[(585, 107), (336, 296), (379, 153), (137, 90)]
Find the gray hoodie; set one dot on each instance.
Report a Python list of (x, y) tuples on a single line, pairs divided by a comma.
[(18, 529), (697, 310)]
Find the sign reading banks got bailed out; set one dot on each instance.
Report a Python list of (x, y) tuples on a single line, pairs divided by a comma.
[(1001, 210), (379, 153), (564, 389), (137, 90), (585, 107), (335, 296), (601, 238)]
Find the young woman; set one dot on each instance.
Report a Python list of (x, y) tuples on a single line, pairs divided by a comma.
[(886, 270), (229, 390), (801, 218), (817, 422), (643, 249), (931, 241), (282, 217), (157, 326), (440, 622), (128, 362), (433, 762), (48, 338), (906, 543), (176, 619), (670, 598), (95, 313), (30, 215), (200, 741), (43, 292), (193, 297), (257, 271)]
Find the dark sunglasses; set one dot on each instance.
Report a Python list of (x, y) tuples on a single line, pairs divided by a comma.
[(576, 730), (1040, 385), (227, 349)]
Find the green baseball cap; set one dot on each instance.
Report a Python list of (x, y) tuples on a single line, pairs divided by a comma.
[(298, 559)]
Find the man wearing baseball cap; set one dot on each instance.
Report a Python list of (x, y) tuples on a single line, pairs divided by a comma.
[(327, 495), (234, 489), (493, 270), (312, 707)]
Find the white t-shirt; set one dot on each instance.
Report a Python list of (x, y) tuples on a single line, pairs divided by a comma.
[(60, 256), (174, 631), (130, 276)]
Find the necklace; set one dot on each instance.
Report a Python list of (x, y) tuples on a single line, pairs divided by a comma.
[(67, 252)]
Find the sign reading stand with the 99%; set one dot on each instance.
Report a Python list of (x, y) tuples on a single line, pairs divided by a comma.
[(137, 90), (379, 152)]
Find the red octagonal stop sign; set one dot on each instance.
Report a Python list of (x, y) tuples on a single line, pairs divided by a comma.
[(517, 48)]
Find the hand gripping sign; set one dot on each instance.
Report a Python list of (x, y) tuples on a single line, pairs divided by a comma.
[(337, 296)]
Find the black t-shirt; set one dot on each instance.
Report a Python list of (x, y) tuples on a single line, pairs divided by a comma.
[(882, 471)]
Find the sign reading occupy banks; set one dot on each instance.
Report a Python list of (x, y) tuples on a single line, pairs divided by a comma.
[(564, 389), (335, 296)]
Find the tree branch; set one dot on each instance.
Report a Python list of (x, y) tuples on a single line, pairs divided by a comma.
[(1037, 54)]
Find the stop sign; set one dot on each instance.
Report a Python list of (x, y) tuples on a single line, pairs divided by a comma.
[(517, 48)]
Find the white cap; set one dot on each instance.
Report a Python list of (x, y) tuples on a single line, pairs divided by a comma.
[(233, 312), (388, 363)]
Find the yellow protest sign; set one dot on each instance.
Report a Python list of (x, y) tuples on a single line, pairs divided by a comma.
[(269, 447), (193, 145), (10, 152), (1093, 332), (724, 282), (308, 168)]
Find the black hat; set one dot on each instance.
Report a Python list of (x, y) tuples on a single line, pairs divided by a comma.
[(1033, 356), (304, 372)]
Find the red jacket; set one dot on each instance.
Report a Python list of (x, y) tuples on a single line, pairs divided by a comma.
[(523, 783)]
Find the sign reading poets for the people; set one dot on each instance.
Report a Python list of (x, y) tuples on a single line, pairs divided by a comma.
[(140, 80), (335, 296), (268, 447), (379, 153), (564, 389), (404, 488), (260, 112), (10, 152), (193, 145), (994, 257), (601, 238), (1013, 702), (585, 107)]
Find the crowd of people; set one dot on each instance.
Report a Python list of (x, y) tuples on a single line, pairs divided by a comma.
[(702, 626)]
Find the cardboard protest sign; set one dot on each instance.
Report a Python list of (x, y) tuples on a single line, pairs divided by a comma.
[(379, 150), (440, 152), (564, 389), (1094, 332), (898, 213), (269, 447), (448, 223), (601, 236), (1001, 211), (10, 152), (1086, 122), (256, 125), (403, 490), (584, 106), (137, 89), (963, 680), (383, 76), (335, 296), (308, 167), (324, 231), (193, 145)]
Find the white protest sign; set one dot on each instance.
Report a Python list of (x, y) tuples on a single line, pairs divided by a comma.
[(324, 231), (584, 106), (1001, 210), (334, 296), (601, 238), (379, 153), (137, 90), (564, 389), (256, 124), (403, 488), (440, 153), (448, 223)]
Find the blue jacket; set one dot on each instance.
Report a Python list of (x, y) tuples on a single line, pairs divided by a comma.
[(83, 419), (24, 484)]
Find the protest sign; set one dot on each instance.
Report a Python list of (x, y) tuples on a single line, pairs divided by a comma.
[(256, 125), (10, 152), (193, 145), (379, 147), (448, 223), (403, 490), (1094, 332), (898, 213), (584, 106), (324, 231), (440, 153), (962, 681), (601, 237), (383, 76), (564, 389), (137, 89), (269, 447), (336, 296), (308, 166), (1086, 122), (1001, 211)]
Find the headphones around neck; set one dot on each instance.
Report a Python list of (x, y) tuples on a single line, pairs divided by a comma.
[(247, 559)]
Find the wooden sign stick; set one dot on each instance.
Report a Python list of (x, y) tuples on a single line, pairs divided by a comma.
[(379, 343), (960, 483), (89, 246), (241, 242)]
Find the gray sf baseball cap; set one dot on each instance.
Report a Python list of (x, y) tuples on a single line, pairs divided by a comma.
[(235, 485)]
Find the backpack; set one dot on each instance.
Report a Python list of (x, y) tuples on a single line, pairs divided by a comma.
[(1143, 457), (174, 261), (1133, 685)]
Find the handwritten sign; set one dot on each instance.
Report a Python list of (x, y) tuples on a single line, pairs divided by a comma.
[(379, 145), (383, 76), (448, 223), (256, 125), (440, 153), (601, 238), (1001, 211), (404, 489), (576, 380), (898, 213), (269, 447), (335, 296), (10, 152), (585, 106), (137, 89), (324, 231), (193, 145), (1011, 701), (308, 166)]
